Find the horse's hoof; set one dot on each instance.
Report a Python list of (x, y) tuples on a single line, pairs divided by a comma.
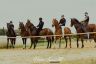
[(82, 47), (66, 47), (30, 47), (7, 48), (49, 47), (24, 48), (77, 46)]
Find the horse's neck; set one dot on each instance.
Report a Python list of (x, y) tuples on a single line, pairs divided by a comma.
[(23, 29), (57, 27), (11, 32), (77, 26)]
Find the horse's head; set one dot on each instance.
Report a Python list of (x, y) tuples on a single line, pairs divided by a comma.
[(74, 21), (54, 22), (8, 25), (29, 25), (21, 25)]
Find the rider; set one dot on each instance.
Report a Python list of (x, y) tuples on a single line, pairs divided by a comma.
[(86, 20), (85, 23), (12, 26), (40, 25), (62, 23)]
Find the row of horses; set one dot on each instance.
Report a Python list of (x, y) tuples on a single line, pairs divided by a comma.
[(31, 30)]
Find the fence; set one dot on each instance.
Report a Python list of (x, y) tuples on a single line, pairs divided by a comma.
[(3, 39), (57, 35)]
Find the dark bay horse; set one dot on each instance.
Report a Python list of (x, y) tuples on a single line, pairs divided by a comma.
[(44, 32), (48, 33), (79, 29), (32, 32), (11, 35), (24, 33), (58, 31)]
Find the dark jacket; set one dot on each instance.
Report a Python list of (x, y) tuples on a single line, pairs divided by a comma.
[(86, 20), (62, 22), (40, 25), (11, 25)]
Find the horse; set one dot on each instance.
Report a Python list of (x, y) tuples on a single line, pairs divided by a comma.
[(24, 34), (58, 31), (48, 33), (79, 29), (11, 35), (67, 31), (44, 32)]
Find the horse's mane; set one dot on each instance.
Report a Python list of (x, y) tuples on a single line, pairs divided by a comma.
[(76, 20)]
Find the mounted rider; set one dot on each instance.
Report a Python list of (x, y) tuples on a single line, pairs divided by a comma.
[(12, 26), (85, 22), (40, 25), (62, 23)]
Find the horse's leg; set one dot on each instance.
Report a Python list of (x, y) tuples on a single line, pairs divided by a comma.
[(7, 42), (82, 42), (31, 44), (70, 40), (77, 41), (60, 43), (95, 40), (25, 42), (47, 44), (50, 43), (36, 43), (66, 41), (12, 42), (55, 43)]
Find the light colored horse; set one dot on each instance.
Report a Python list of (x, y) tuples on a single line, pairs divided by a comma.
[(58, 31)]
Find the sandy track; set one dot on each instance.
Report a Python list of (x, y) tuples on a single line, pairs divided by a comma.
[(30, 56)]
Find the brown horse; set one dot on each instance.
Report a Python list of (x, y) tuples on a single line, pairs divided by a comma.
[(67, 31), (11, 35), (24, 33), (58, 31), (47, 32), (79, 29), (44, 32)]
